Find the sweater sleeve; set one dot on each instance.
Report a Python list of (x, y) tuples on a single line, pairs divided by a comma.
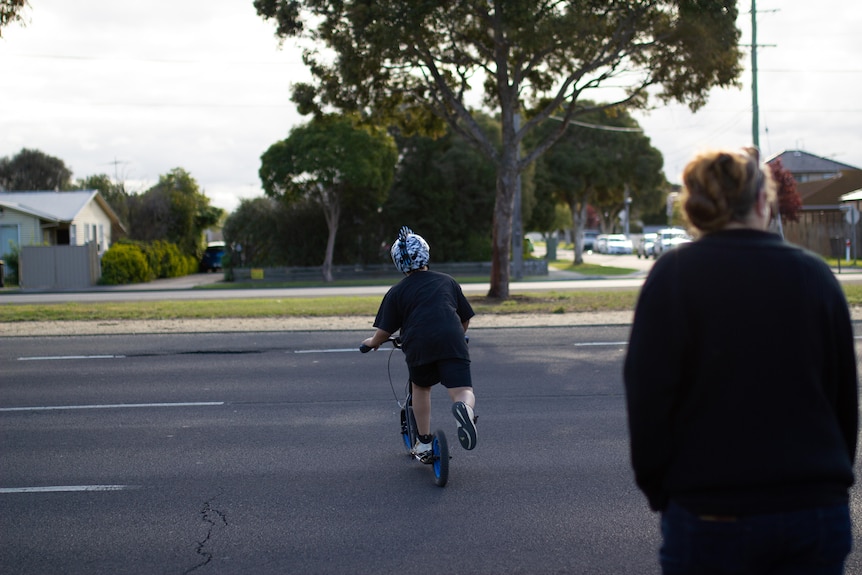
[(653, 374), (842, 378)]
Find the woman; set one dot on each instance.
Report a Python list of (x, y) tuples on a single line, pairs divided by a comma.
[(741, 388)]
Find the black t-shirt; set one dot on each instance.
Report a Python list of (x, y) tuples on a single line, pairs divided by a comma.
[(429, 308)]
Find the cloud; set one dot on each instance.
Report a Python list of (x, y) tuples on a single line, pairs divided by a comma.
[(135, 89)]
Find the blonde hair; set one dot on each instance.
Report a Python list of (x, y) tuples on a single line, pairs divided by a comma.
[(722, 186)]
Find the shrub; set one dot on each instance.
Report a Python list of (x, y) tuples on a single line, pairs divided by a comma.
[(124, 264), (10, 263), (165, 259)]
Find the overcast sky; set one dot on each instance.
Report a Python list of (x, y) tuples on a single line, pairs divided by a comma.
[(135, 89)]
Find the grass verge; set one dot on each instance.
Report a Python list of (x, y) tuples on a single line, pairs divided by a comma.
[(543, 302), (531, 302)]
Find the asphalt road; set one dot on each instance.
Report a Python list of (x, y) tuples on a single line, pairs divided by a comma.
[(280, 453)]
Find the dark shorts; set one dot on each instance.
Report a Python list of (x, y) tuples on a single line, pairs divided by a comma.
[(450, 372)]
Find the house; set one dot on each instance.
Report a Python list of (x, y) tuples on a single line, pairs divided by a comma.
[(821, 184), (50, 229), (819, 181), (807, 167), (56, 219)]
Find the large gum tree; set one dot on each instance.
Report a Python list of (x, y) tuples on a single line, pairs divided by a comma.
[(422, 63)]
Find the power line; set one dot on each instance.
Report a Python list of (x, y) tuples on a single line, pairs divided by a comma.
[(599, 126)]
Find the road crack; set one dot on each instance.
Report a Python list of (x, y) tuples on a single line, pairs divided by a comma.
[(213, 520)]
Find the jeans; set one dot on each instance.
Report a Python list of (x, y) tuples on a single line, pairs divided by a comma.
[(810, 541)]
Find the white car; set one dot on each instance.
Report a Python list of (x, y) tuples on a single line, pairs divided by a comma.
[(669, 238), (600, 244), (619, 244), (646, 245)]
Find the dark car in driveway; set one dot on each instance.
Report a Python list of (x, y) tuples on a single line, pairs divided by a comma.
[(590, 240), (211, 260)]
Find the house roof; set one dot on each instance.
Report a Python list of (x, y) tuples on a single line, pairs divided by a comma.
[(799, 162), (829, 192), (56, 206), (26, 210)]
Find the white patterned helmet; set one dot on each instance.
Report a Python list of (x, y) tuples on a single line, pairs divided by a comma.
[(410, 251)]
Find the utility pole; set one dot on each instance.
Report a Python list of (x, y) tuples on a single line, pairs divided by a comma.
[(755, 109), (755, 106)]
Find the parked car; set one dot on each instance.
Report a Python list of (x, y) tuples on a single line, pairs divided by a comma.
[(669, 238), (211, 260), (645, 245), (590, 240), (618, 244), (600, 246)]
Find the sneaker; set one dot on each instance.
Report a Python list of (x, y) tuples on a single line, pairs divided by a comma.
[(466, 424), (422, 450)]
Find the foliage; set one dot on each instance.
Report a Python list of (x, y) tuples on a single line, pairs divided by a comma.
[(253, 234), (416, 63), (34, 171), (444, 190), (592, 167), (335, 164), (135, 262), (166, 261), (789, 200), (124, 263), (114, 194), (10, 262), (174, 210), (11, 11)]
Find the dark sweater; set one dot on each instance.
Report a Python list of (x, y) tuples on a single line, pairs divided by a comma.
[(741, 379)]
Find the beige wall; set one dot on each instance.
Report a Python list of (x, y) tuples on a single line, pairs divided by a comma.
[(92, 223)]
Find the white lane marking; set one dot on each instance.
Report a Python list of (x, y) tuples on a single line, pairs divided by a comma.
[(342, 350), (600, 343), (67, 488), (61, 357), (112, 406)]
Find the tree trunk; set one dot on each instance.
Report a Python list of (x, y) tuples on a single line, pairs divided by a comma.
[(579, 223), (332, 210), (507, 175)]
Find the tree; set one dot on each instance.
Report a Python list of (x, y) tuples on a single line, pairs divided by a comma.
[(444, 190), (596, 167), (416, 63), (114, 193), (11, 11), (789, 200), (32, 171), (174, 210), (253, 233), (335, 164)]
